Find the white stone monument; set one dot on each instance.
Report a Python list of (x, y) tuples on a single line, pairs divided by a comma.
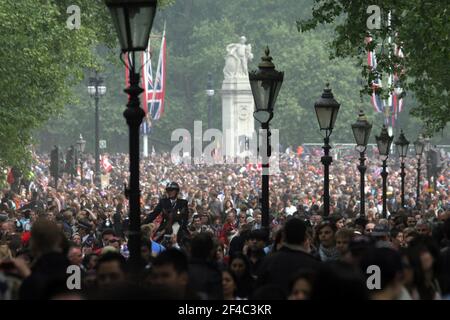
[(238, 123)]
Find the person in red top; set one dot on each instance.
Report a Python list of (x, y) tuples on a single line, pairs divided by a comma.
[(229, 228)]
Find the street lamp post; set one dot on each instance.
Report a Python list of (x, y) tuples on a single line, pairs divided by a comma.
[(402, 149), (133, 21), (361, 131), (265, 84), (427, 148), (210, 94), (96, 89), (327, 109), (418, 147), (384, 141), (81, 143)]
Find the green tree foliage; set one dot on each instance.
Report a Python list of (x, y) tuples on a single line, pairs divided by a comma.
[(421, 27), (43, 61)]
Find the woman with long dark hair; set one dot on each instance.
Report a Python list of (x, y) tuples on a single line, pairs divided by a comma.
[(229, 285), (240, 266), (424, 260)]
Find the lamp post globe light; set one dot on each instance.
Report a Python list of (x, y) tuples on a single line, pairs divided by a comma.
[(402, 145), (327, 109), (418, 148), (361, 131), (133, 21), (384, 142), (81, 144), (96, 89), (265, 84)]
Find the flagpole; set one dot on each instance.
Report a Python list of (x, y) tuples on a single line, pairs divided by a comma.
[(145, 138), (145, 144), (146, 59), (390, 99)]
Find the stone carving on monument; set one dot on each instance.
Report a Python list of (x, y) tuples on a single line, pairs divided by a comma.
[(237, 100)]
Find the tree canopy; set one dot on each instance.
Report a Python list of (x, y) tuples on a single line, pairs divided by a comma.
[(43, 61), (420, 27)]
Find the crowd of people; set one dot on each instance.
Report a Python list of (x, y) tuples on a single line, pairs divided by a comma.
[(223, 251)]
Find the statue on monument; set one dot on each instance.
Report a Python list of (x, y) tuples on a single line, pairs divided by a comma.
[(236, 60)]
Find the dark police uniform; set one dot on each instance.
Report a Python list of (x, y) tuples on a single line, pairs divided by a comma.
[(172, 211)]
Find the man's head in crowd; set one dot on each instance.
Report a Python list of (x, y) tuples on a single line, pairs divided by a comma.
[(257, 239), (301, 285), (411, 221), (46, 237), (383, 269), (423, 228), (111, 269), (360, 224), (196, 221), (75, 255), (107, 236), (170, 268), (343, 237), (381, 233), (369, 228), (295, 233), (203, 247)]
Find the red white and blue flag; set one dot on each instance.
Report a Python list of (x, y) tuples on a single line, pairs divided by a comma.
[(394, 103), (155, 97), (147, 80), (154, 89), (376, 100)]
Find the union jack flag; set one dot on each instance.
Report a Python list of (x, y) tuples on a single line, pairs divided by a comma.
[(147, 79), (155, 98), (154, 90)]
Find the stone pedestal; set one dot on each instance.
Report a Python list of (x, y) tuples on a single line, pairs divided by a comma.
[(238, 123)]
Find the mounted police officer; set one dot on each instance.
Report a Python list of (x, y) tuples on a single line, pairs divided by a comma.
[(174, 213)]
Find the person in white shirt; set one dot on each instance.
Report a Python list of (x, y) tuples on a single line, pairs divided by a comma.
[(290, 209)]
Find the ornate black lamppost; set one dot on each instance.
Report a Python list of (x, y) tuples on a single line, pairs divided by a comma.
[(81, 144), (133, 20), (361, 130), (96, 89), (402, 150), (327, 109), (418, 147), (266, 84), (384, 141)]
